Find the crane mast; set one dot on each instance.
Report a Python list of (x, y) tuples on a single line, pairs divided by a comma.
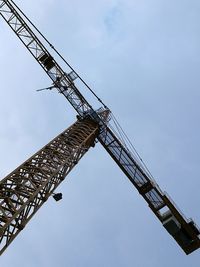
[(29, 186)]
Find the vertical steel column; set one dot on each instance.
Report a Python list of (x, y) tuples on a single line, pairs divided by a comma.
[(24, 191)]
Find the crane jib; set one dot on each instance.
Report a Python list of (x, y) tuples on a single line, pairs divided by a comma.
[(184, 231), (43, 57)]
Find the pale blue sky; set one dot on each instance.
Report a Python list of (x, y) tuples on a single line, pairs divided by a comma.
[(142, 58)]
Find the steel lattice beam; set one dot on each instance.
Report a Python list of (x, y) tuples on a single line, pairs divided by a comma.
[(24, 191), (62, 80), (184, 231), (187, 234)]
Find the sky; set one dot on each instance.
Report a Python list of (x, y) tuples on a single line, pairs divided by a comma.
[(142, 59)]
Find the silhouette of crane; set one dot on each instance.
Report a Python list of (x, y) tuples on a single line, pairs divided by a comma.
[(26, 189)]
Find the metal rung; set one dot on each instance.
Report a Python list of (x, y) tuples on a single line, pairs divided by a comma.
[(30, 42), (20, 29), (2, 4)]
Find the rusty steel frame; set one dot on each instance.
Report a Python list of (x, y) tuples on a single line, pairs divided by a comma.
[(26, 189)]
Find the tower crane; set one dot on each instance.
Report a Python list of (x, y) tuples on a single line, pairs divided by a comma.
[(29, 186)]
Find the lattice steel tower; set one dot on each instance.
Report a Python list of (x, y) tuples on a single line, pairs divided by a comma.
[(24, 191)]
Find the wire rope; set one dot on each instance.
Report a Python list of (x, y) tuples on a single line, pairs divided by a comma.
[(120, 132)]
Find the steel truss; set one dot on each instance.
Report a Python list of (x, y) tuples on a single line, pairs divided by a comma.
[(26, 189), (184, 231), (188, 234), (63, 81)]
